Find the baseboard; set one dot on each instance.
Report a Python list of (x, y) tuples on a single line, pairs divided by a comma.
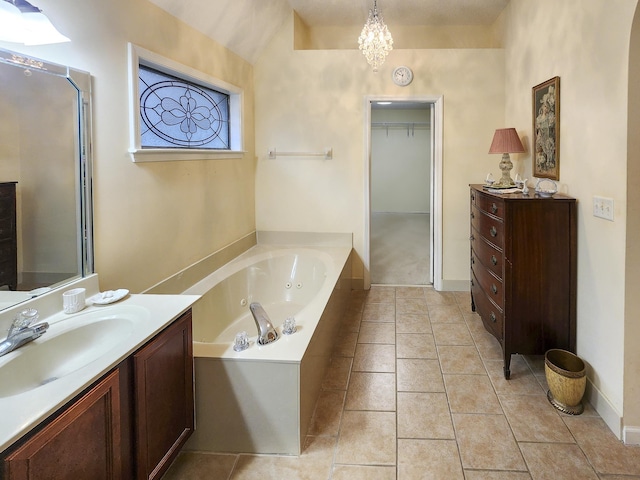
[(454, 286), (605, 409), (631, 435)]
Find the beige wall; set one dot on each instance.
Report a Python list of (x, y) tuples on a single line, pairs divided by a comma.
[(310, 99), (586, 44), (152, 219)]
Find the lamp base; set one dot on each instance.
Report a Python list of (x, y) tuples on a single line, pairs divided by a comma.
[(506, 166)]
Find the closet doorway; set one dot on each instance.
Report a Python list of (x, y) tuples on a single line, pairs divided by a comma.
[(401, 175)]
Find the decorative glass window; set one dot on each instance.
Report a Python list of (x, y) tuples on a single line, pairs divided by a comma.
[(178, 113), (175, 113)]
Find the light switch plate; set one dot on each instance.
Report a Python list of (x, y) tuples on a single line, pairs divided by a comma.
[(603, 207)]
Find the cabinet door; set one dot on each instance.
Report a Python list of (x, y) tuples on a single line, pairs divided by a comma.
[(163, 372), (83, 442)]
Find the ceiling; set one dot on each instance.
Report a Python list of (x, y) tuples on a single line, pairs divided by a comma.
[(246, 26)]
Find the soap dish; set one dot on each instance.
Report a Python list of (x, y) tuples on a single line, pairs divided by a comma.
[(109, 296)]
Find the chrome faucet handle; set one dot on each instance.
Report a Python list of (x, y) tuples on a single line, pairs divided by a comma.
[(24, 319)]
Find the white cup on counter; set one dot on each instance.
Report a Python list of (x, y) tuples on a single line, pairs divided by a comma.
[(73, 300)]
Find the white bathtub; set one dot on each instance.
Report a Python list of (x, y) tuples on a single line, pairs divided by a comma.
[(261, 400)]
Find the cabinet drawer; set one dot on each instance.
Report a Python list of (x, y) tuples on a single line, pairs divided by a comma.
[(487, 254), (491, 285), (490, 204), (487, 226), (492, 316)]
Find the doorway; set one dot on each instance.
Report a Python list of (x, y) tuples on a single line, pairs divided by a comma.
[(403, 197)]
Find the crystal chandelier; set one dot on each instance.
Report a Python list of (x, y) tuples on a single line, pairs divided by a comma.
[(375, 40)]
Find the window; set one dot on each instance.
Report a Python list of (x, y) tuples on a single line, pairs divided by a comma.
[(178, 113)]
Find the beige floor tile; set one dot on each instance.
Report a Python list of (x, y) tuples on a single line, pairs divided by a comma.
[(367, 438), (474, 322), (488, 346), (410, 292), (486, 442), (460, 359), (411, 306), (415, 345), (345, 345), (413, 323), (363, 472), (557, 461), (471, 394), (606, 453), (328, 412), (451, 334), (534, 419), (439, 298), (337, 376), (371, 391), (314, 463), (428, 459), (376, 332), (419, 375), (445, 314), (379, 312), (381, 294), (463, 299), (521, 382), (424, 415), (196, 466), (493, 475), (373, 357)]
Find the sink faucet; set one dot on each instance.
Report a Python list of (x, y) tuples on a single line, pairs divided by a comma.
[(23, 331), (266, 332)]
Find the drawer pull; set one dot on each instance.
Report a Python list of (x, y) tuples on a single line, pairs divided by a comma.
[(494, 208), (473, 261), (472, 238), (473, 215), (494, 289), (493, 317), (494, 260), (493, 231), (472, 284)]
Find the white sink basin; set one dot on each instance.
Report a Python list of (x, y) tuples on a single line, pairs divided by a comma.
[(67, 346)]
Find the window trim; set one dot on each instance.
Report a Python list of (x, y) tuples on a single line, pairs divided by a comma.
[(139, 55)]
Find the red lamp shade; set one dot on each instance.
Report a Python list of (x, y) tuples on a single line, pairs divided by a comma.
[(506, 140)]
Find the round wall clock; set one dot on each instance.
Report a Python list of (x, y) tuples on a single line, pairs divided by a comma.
[(402, 76)]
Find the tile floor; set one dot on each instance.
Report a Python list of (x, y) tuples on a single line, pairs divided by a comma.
[(416, 391)]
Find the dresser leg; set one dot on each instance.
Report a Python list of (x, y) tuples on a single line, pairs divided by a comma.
[(507, 366), (473, 304)]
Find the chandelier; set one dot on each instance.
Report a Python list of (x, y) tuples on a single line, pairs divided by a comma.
[(375, 40)]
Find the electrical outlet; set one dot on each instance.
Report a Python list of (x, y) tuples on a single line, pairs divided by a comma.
[(603, 208)]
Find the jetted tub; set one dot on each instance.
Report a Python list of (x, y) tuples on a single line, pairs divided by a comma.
[(261, 400)]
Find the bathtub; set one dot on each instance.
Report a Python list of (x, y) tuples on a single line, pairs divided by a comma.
[(261, 400)]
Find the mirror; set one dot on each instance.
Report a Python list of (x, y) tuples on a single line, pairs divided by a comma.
[(46, 234)]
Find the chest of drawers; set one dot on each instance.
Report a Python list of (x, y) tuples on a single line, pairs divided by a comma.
[(524, 270), (8, 247)]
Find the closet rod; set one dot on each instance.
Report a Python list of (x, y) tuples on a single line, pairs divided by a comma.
[(327, 154)]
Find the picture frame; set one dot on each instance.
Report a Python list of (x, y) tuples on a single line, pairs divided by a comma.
[(546, 129)]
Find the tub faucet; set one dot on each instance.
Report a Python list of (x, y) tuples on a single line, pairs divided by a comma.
[(266, 332), (22, 331)]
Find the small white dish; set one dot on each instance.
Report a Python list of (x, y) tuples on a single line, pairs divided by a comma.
[(109, 296)]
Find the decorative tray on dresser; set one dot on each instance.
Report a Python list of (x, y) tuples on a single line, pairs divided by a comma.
[(523, 270)]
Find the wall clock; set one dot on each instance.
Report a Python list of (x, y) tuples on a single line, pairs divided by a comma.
[(402, 76)]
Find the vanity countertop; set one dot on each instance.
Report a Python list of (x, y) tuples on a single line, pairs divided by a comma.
[(21, 412)]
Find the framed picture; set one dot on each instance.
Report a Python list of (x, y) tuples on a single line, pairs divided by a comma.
[(546, 129)]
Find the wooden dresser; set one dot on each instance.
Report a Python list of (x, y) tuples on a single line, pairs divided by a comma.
[(8, 242), (523, 270)]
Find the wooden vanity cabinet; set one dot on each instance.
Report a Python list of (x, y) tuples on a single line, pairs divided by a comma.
[(8, 236), (129, 425), (524, 270), (164, 413), (82, 442)]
